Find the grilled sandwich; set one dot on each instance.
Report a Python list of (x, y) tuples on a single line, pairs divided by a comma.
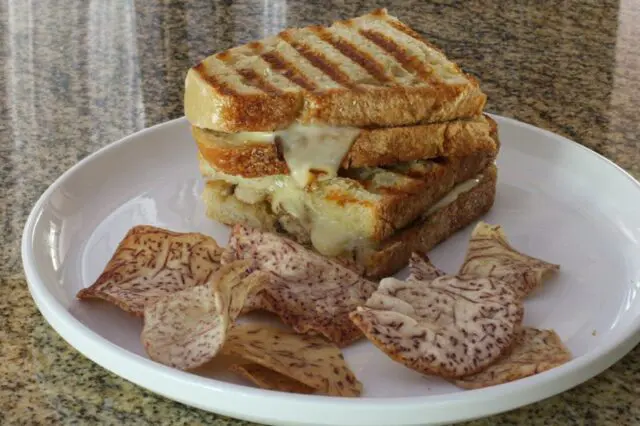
[(345, 230), (361, 139)]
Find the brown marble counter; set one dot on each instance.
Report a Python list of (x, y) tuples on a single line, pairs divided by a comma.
[(79, 75)]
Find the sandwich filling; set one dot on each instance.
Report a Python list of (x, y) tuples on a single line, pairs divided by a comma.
[(325, 220), (314, 151), (313, 209), (311, 152)]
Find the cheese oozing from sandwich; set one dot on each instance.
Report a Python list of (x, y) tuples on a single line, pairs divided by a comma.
[(453, 195), (315, 150), (311, 152), (329, 234)]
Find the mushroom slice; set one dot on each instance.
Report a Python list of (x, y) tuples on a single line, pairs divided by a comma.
[(490, 255), (449, 327), (150, 263), (309, 292), (534, 351)]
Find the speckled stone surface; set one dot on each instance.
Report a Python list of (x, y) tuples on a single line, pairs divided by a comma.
[(79, 75)]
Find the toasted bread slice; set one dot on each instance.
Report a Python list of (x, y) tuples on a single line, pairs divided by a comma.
[(373, 259), (393, 254), (372, 148), (368, 71), (367, 205)]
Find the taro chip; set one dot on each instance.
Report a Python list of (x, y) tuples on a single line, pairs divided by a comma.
[(310, 293), (534, 351), (269, 379), (310, 360), (187, 329), (150, 263), (421, 268), (490, 255), (449, 327)]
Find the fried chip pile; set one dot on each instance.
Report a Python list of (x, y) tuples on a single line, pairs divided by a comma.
[(490, 255), (449, 327), (310, 293), (152, 262), (534, 351), (309, 360), (187, 329), (190, 304), (464, 327)]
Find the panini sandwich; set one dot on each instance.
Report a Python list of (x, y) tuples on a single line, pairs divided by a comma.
[(360, 140)]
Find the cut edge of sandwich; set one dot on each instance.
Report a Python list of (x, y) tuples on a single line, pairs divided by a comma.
[(362, 205), (466, 203)]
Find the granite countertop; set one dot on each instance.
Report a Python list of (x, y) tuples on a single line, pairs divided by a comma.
[(79, 75)]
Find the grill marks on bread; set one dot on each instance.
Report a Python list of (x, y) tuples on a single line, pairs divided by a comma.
[(364, 59), (399, 53), (218, 84), (256, 80), (319, 60), (289, 71), (352, 54)]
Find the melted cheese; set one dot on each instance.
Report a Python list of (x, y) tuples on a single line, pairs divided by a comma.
[(453, 195), (284, 194), (315, 148), (249, 195), (332, 237), (329, 235), (309, 151), (242, 138)]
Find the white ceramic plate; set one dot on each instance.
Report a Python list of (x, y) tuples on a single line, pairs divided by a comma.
[(556, 200)]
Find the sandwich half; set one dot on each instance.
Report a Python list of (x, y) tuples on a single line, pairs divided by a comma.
[(360, 206), (345, 236), (360, 140)]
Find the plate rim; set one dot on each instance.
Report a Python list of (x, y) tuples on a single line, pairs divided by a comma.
[(522, 392)]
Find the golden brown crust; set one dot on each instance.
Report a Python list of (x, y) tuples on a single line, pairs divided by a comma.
[(404, 204), (394, 253), (371, 106), (380, 147), (248, 160), (373, 147)]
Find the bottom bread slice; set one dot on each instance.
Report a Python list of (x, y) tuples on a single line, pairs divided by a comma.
[(438, 223), (393, 254)]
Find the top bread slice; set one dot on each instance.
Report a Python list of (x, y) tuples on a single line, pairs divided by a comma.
[(370, 71), (371, 148)]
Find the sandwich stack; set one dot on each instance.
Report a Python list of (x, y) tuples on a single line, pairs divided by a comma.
[(360, 140)]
